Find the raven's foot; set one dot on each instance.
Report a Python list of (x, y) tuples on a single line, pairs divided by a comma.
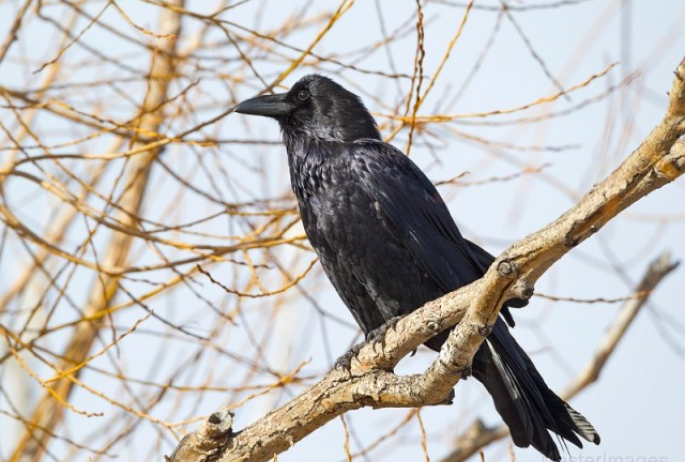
[(378, 334), (344, 363)]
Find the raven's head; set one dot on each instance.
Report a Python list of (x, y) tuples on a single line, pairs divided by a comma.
[(316, 108)]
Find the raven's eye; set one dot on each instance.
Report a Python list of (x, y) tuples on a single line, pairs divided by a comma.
[(303, 95)]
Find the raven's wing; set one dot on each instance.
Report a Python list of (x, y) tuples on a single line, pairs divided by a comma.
[(412, 203)]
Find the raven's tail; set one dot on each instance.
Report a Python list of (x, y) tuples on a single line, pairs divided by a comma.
[(522, 398)]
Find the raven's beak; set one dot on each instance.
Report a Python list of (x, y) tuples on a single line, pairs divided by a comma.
[(266, 105)]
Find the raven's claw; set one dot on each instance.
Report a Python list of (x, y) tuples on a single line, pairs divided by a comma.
[(378, 334), (344, 363)]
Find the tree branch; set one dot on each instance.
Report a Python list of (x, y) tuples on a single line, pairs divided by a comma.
[(659, 160)]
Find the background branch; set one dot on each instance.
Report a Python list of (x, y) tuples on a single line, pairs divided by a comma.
[(49, 411)]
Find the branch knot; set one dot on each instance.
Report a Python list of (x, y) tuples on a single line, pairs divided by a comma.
[(507, 268), (207, 442)]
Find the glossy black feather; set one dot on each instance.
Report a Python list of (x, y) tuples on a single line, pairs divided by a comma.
[(388, 243)]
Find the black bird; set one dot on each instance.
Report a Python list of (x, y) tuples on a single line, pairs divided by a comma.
[(388, 244)]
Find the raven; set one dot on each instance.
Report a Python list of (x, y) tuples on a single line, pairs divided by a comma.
[(388, 243)]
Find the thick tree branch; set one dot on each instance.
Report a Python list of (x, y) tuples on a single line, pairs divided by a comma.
[(659, 160)]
